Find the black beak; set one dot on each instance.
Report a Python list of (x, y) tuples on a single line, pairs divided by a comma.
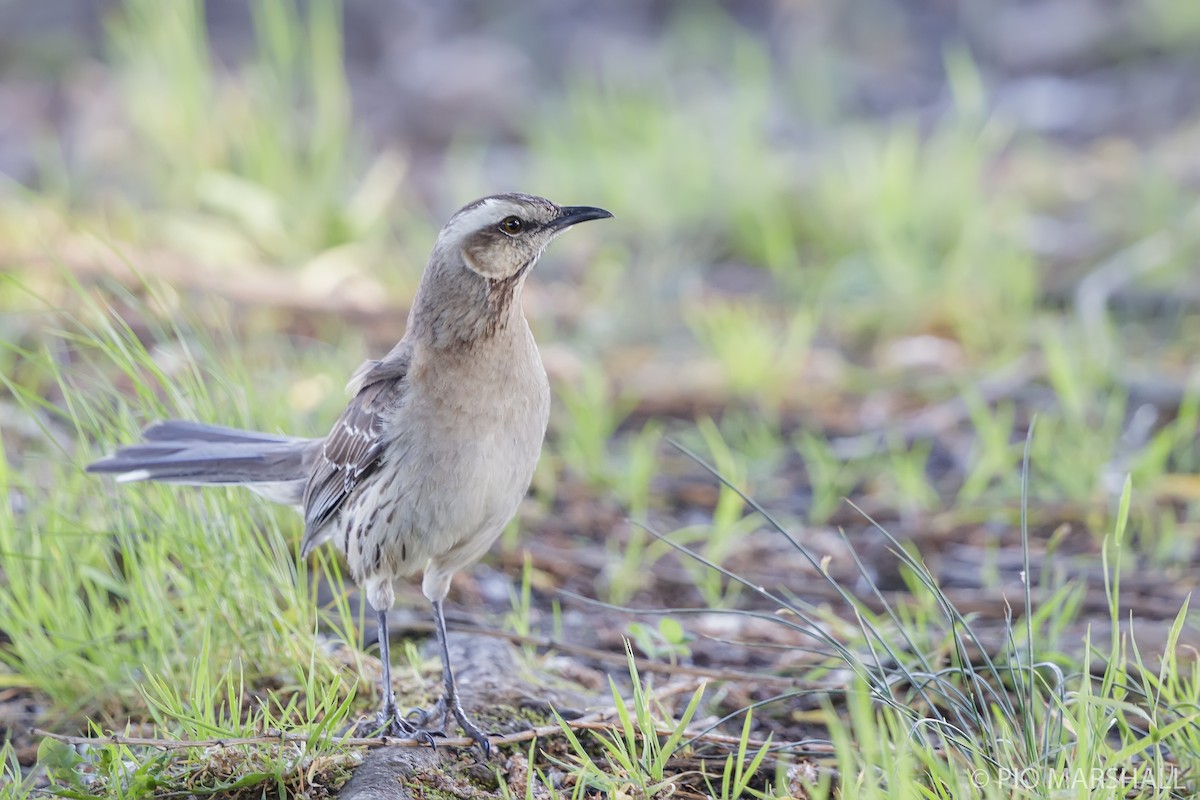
[(574, 214)]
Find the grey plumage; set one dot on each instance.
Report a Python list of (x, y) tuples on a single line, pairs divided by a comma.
[(438, 444), (176, 451)]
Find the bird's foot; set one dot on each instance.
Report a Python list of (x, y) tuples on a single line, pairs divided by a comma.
[(431, 719), (434, 720), (470, 728), (388, 722)]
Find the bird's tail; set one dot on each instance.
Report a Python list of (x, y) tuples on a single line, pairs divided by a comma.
[(176, 451)]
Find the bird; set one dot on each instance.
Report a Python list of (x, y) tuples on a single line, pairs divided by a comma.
[(435, 449)]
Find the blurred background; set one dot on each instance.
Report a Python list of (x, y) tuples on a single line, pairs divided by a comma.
[(859, 247)]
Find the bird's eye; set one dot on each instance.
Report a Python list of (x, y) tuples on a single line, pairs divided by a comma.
[(512, 225)]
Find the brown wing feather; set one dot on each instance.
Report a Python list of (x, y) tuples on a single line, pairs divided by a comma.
[(354, 447)]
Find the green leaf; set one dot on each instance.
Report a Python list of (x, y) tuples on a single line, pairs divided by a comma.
[(672, 631), (61, 762)]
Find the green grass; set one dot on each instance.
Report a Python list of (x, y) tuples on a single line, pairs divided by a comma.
[(189, 609), (256, 181), (1006, 719), (760, 356), (635, 758), (589, 416)]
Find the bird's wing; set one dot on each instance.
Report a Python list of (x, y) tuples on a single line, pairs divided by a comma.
[(392, 366), (354, 448)]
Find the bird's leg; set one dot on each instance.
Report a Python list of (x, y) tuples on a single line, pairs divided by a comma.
[(385, 655), (449, 702), (390, 722)]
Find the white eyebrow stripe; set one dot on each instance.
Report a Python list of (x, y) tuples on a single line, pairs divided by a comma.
[(489, 212)]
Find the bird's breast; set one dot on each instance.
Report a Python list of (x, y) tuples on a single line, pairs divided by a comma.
[(464, 446)]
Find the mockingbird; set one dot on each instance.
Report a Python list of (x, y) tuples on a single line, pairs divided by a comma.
[(433, 454)]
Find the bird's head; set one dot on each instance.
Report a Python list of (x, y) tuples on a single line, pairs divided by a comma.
[(502, 236), (471, 286)]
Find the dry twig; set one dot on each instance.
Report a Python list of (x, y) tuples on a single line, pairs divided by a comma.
[(597, 720)]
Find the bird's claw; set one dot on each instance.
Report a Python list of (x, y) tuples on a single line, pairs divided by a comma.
[(415, 725), (472, 730), (424, 720), (422, 717), (389, 723)]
